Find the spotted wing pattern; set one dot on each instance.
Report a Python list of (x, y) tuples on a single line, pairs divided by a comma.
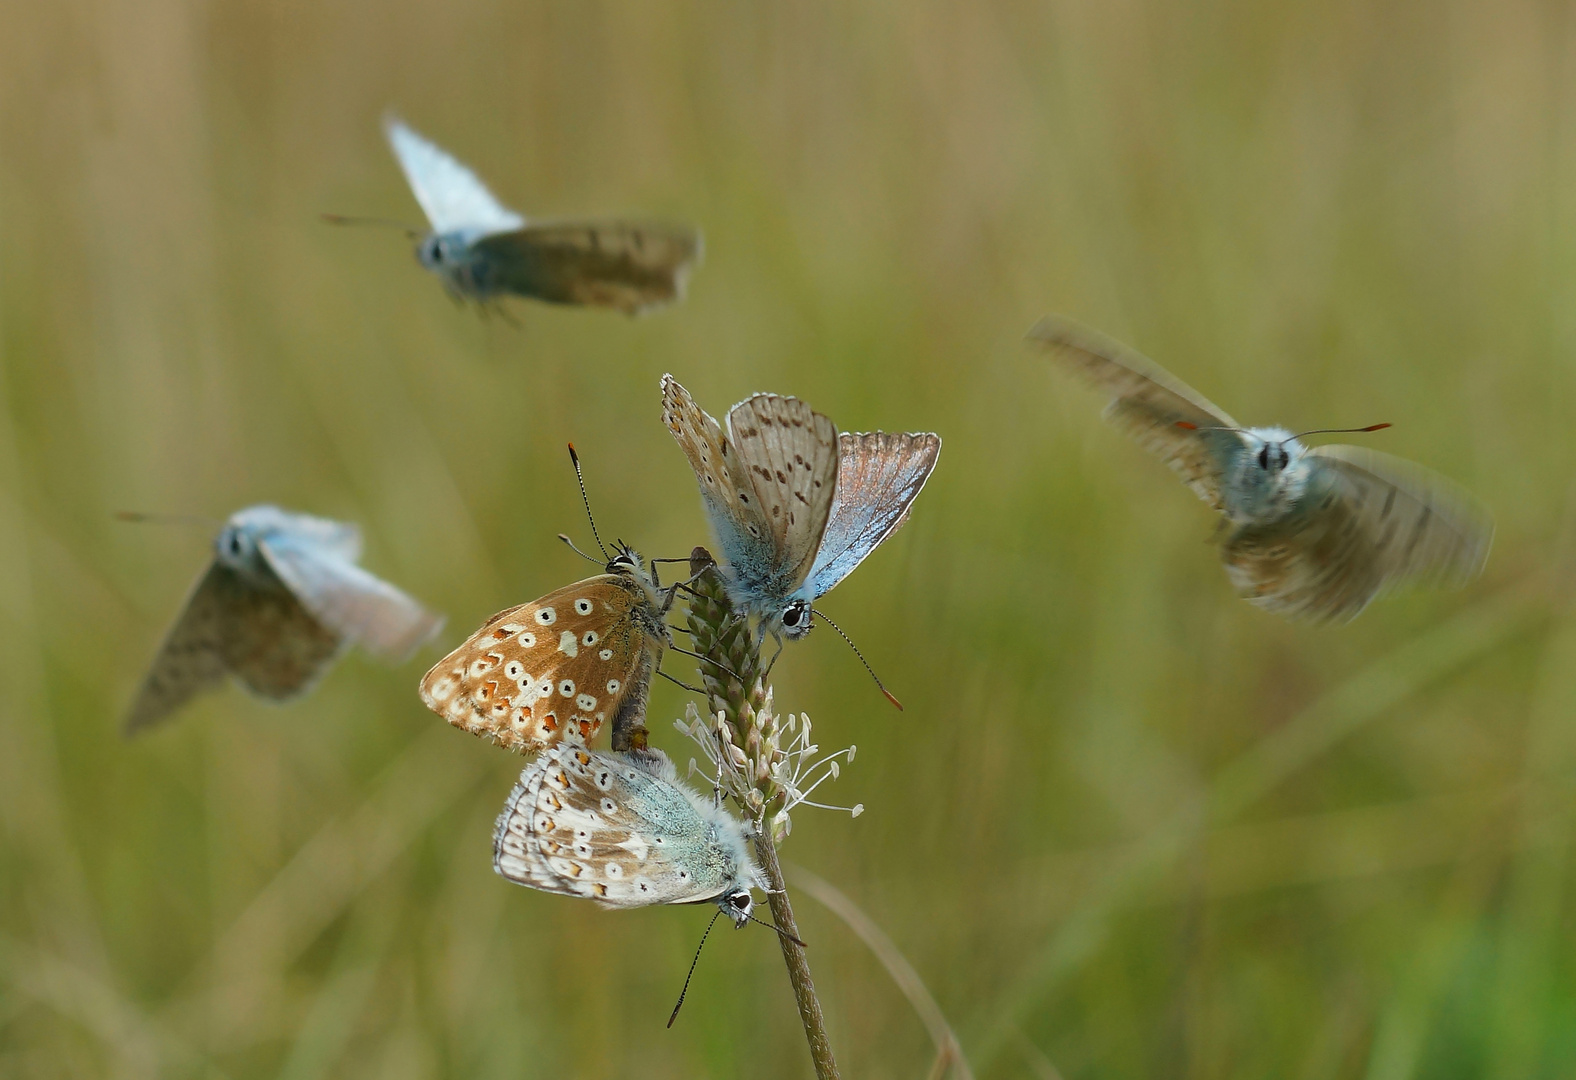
[(356, 604), (1366, 522), (879, 475), (768, 484), (619, 830), (1148, 404), (257, 631), (556, 668), (451, 195), (627, 266)]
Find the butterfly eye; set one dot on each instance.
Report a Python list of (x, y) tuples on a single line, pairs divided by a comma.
[(1264, 458), (741, 901)]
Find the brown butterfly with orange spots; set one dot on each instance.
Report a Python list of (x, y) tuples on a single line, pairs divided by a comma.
[(561, 666)]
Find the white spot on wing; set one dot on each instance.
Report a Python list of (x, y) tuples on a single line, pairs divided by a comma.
[(568, 644)]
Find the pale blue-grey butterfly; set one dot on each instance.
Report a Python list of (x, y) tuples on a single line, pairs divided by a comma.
[(795, 507), (619, 829), (280, 601), (1314, 533), (482, 250)]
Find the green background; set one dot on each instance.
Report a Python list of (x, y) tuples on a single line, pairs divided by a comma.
[(1128, 826)]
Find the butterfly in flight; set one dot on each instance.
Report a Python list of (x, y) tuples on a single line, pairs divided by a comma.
[(280, 601), (482, 250), (794, 505), (1311, 532)]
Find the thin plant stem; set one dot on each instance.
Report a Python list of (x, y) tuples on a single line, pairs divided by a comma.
[(949, 1054), (735, 689), (794, 957)]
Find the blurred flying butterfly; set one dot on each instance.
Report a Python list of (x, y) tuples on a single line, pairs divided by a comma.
[(560, 666), (482, 250), (795, 507), (1315, 533), (281, 599)]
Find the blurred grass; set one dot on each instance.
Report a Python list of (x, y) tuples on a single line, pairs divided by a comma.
[(1126, 822)]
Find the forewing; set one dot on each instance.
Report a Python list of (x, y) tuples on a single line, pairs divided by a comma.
[(1368, 522), (358, 605), (786, 473), (879, 475), (628, 266), (1148, 403), (605, 828), (552, 669), (451, 196), (190, 660), (713, 461)]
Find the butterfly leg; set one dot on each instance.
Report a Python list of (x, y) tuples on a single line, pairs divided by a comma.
[(677, 587), (761, 637), (707, 659), (685, 685), (506, 315)]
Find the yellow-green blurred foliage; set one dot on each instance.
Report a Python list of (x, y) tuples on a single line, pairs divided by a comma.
[(1129, 826)]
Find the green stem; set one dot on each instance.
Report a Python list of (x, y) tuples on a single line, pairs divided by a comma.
[(731, 675)]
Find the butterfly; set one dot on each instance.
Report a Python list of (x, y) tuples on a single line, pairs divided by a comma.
[(280, 601), (560, 666), (794, 505), (481, 249), (1313, 533), (621, 831)]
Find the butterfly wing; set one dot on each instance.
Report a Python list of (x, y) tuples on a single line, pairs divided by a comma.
[(270, 641), (1148, 403), (190, 660), (879, 475), (613, 829), (627, 266), (785, 470), (1367, 521), (451, 196), (703, 443), (354, 603), (552, 669), (768, 484)]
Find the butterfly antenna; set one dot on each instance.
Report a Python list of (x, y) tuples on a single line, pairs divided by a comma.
[(780, 930), (1187, 425), (577, 551), (346, 219), (879, 684), (166, 519), (575, 458), (1342, 430), (693, 962)]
